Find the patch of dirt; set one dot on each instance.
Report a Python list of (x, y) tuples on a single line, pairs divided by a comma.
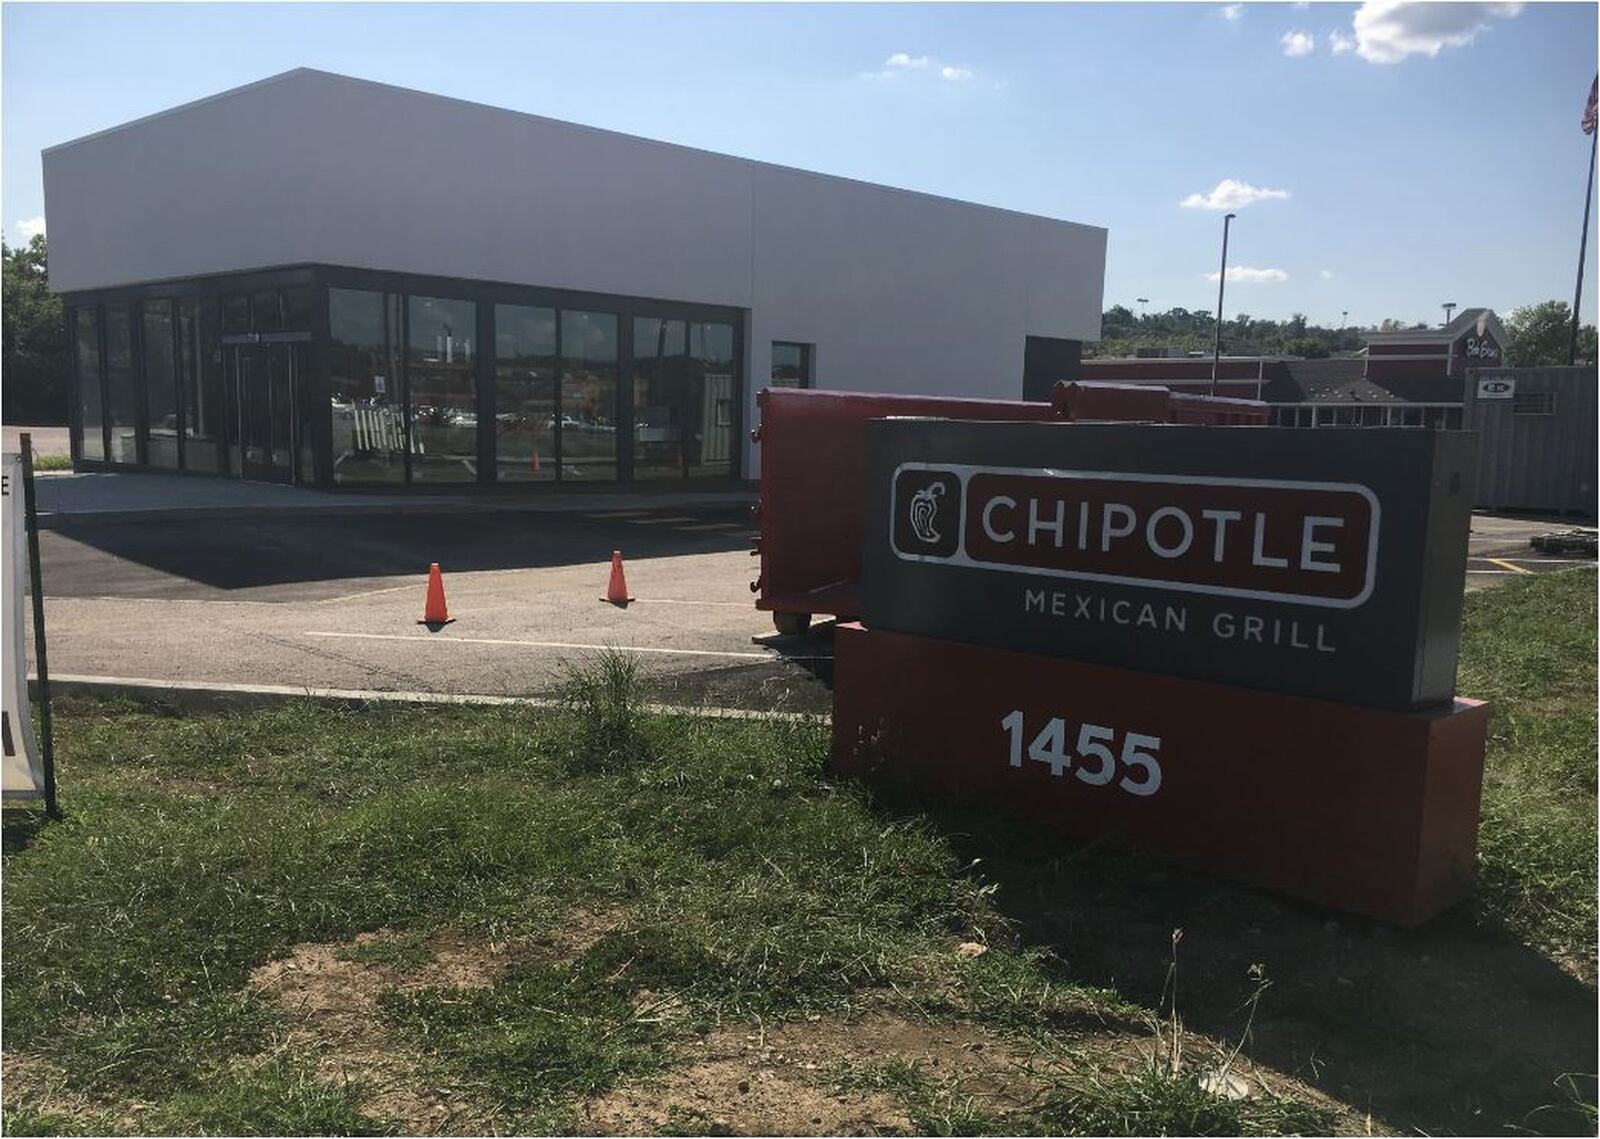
[(330, 1006), (36, 1083), (779, 1080)]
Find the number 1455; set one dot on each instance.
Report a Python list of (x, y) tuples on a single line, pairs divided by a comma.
[(1096, 761)]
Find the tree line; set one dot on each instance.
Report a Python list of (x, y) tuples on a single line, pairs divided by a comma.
[(1538, 335)]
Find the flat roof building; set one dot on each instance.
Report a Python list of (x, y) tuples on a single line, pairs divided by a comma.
[(335, 282)]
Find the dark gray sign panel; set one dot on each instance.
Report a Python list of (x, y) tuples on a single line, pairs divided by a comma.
[(1326, 563)]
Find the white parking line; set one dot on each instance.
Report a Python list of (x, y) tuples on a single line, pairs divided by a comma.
[(368, 593), (219, 687), (434, 639)]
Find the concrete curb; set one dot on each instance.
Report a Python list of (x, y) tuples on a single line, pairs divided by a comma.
[(52, 520), (224, 696)]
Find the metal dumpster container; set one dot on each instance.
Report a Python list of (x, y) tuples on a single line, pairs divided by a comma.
[(810, 515)]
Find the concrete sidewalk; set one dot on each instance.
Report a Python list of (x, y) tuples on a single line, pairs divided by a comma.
[(127, 497)]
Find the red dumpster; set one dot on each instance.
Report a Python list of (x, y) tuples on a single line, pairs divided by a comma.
[(809, 513), (813, 468)]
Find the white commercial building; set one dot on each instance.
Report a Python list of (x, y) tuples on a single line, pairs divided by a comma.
[(336, 282)]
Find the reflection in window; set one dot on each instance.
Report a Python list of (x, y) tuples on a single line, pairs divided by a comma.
[(122, 393), (160, 386), (526, 410), (264, 313), (442, 389), (683, 393), (368, 413), (235, 314), (296, 309), (791, 365), (91, 444), (710, 445), (661, 387), (202, 406), (589, 385)]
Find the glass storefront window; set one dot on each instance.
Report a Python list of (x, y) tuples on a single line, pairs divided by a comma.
[(791, 365), (441, 386), (589, 389), (92, 443), (368, 411), (710, 444), (202, 405), (160, 386), (525, 394), (122, 393), (663, 383)]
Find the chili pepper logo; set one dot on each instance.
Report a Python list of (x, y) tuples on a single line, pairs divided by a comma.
[(924, 512)]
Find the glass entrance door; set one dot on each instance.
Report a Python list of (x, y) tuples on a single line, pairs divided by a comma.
[(263, 395)]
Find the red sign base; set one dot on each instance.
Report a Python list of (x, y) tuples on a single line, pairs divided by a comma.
[(1363, 810)]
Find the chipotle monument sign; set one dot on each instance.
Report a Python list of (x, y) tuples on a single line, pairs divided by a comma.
[(1325, 563)]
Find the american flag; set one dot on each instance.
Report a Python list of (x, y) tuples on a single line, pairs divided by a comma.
[(1589, 111)]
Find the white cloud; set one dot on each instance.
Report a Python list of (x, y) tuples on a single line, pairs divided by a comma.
[(1230, 194), (1387, 31), (31, 227), (1296, 44), (1326, 274), (903, 63), (1249, 276), (1300, 5), (1231, 12), (1339, 43)]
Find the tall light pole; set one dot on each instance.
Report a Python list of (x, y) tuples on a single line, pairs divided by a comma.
[(1222, 280), (1449, 307), (1344, 317), (1142, 301)]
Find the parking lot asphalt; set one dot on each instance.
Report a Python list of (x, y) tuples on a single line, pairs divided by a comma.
[(330, 601), (334, 602)]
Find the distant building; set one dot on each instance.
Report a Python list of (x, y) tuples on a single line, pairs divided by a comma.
[(1414, 378)]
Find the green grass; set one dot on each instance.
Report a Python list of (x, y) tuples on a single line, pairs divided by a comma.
[(406, 952), (52, 462), (197, 847), (1154, 1102), (1529, 648), (748, 887)]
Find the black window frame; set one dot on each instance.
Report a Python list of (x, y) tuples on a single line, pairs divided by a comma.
[(808, 377)]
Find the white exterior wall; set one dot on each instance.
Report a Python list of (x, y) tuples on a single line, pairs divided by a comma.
[(898, 291)]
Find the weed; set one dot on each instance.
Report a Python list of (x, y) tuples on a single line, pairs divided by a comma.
[(1157, 1101), (602, 695), (407, 951)]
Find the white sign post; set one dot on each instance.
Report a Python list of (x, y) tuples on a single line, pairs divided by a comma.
[(27, 769)]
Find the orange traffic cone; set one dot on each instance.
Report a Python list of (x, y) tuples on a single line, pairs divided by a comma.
[(434, 612), (617, 591), (533, 464)]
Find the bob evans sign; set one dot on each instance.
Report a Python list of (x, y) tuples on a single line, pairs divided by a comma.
[(1326, 563)]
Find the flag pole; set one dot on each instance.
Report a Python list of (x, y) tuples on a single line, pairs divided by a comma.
[(1583, 238)]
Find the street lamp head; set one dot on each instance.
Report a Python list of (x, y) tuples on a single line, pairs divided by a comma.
[(1229, 217)]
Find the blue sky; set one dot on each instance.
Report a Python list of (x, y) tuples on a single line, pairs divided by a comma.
[(1421, 153)]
